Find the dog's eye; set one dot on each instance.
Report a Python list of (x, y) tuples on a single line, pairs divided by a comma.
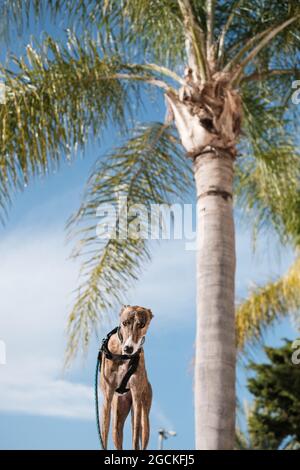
[(125, 323), (141, 324)]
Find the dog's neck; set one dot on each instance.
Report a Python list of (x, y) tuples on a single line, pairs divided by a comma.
[(114, 344)]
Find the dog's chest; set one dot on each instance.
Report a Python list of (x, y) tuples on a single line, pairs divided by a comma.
[(118, 371), (123, 368)]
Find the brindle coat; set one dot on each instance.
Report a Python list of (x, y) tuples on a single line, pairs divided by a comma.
[(134, 322)]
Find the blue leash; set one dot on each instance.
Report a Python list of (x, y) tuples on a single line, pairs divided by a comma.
[(98, 368)]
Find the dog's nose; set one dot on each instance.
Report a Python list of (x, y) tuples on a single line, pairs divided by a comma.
[(128, 349)]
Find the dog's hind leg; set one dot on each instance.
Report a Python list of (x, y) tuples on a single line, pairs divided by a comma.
[(121, 405), (145, 424)]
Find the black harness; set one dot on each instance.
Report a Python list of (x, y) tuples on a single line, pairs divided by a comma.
[(132, 358), (132, 367)]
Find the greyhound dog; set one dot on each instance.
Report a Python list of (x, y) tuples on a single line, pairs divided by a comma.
[(127, 340)]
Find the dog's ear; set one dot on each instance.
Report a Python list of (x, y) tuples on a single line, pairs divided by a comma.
[(150, 313), (122, 309)]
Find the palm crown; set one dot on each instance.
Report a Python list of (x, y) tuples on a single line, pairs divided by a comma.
[(62, 92)]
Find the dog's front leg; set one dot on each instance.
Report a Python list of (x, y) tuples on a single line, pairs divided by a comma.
[(136, 419), (106, 411), (121, 405)]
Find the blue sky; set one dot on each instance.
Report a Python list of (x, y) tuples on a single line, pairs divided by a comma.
[(40, 405)]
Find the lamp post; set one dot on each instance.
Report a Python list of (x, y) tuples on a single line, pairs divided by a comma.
[(163, 435)]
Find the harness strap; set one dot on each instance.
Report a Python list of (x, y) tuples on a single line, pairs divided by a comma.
[(133, 364)]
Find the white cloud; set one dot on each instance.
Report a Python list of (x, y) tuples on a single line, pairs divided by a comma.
[(35, 286), (31, 386)]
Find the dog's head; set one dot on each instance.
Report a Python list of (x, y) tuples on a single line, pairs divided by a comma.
[(134, 323)]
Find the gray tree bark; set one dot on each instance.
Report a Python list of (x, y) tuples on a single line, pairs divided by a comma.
[(215, 337)]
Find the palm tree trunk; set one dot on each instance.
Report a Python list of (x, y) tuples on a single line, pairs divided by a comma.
[(215, 337)]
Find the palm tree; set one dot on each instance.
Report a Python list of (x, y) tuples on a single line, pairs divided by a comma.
[(213, 61)]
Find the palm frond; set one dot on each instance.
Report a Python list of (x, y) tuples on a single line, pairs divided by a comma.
[(233, 10), (264, 41), (149, 169), (57, 98), (136, 27), (269, 157), (250, 23), (195, 40), (266, 304), (263, 194), (15, 15)]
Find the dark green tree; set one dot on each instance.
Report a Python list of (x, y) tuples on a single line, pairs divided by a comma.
[(274, 422)]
